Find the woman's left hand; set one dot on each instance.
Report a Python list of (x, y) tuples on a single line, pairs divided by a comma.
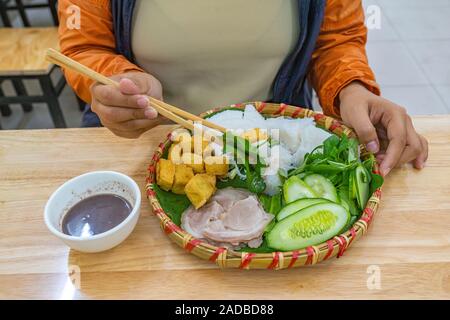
[(385, 128)]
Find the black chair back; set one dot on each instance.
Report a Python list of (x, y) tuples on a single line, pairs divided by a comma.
[(18, 6)]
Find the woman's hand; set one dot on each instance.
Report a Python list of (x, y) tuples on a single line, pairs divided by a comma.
[(384, 127), (126, 110)]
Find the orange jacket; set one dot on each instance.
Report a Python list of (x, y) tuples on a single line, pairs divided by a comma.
[(339, 57)]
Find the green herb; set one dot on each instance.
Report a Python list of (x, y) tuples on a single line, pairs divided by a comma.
[(165, 153), (241, 149), (337, 159), (270, 226), (345, 199), (236, 182), (173, 204), (376, 182), (247, 154), (256, 184), (272, 204)]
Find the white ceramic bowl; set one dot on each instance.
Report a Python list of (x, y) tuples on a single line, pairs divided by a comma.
[(86, 185)]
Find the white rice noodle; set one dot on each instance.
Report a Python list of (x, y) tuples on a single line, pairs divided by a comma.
[(296, 137), (311, 138), (280, 158)]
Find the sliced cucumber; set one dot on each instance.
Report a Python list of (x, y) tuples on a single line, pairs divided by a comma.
[(298, 205), (310, 226), (345, 204), (322, 186), (362, 181), (295, 188)]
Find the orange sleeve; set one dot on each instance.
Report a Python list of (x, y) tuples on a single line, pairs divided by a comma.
[(340, 54), (92, 44)]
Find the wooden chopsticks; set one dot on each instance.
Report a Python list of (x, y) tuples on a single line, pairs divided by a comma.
[(173, 113)]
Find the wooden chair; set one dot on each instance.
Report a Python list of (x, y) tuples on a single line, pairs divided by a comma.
[(20, 91), (18, 6), (21, 8), (22, 56), (5, 7)]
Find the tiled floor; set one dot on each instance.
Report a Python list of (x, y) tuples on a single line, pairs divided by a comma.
[(410, 55)]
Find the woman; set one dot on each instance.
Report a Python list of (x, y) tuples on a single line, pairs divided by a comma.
[(211, 53)]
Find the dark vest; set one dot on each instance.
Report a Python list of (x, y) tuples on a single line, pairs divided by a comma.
[(290, 85)]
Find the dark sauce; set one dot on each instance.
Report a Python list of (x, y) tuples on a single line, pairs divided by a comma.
[(95, 215)]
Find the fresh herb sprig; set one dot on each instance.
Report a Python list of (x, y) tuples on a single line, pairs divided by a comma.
[(337, 159), (247, 156)]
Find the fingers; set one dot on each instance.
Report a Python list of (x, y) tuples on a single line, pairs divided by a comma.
[(393, 139), (117, 105), (118, 115), (135, 83), (126, 109), (415, 150), (132, 91), (129, 87), (380, 157), (395, 123), (422, 158), (111, 96), (365, 130), (413, 144)]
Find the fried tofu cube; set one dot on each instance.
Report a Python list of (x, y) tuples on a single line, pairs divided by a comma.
[(216, 165), (178, 148), (199, 145), (175, 152), (209, 151), (194, 161), (255, 135), (165, 174), (181, 134), (211, 179), (200, 189), (183, 174)]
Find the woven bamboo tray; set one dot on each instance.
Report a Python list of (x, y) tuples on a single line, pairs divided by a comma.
[(226, 258)]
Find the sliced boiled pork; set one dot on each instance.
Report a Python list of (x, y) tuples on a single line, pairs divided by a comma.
[(232, 217)]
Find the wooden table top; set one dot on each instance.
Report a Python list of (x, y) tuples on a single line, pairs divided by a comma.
[(22, 50), (407, 247)]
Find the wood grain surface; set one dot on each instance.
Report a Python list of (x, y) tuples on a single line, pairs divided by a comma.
[(408, 242), (22, 50)]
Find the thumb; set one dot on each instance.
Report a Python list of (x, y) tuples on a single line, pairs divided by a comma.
[(365, 130)]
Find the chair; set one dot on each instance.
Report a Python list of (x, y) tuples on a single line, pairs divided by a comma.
[(18, 85), (21, 8), (22, 56), (20, 90), (22, 68)]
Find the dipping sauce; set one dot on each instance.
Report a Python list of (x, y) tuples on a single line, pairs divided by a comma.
[(95, 215)]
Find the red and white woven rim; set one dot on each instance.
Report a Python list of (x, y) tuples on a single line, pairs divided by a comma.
[(227, 258)]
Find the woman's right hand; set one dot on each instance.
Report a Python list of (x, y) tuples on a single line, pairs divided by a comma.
[(126, 110)]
